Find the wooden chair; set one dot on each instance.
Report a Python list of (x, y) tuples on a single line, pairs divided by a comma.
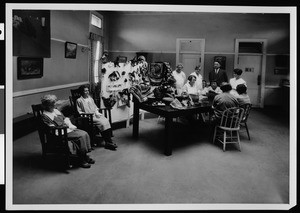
[(227, 131), (92, 130), (53, 139), (247, 108)]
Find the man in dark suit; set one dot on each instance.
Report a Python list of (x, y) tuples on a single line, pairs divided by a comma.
[(218, 74)]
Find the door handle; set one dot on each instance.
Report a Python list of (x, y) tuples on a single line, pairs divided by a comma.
[(258, 80)]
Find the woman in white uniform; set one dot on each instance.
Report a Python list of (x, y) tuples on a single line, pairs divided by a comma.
[(180, 78), (236, 80), (190, 87)]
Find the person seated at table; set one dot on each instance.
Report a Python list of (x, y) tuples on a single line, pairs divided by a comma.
[(190, 87), (223, 101), (197, 74), (236, 80), (79, 138), (213, 89), (86, 104), (243, 97), (204, 84)]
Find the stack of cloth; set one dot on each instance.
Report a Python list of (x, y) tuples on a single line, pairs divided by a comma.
[(140, 91), (176, 104)]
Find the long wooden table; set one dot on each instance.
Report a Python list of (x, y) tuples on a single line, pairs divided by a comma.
[(169, 113)]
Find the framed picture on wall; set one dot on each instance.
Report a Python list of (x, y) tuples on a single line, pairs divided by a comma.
[(70, 50), (29, 67)]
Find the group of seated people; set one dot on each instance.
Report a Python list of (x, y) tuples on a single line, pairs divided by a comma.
[(223, 96), (193, 86), (80, 139)]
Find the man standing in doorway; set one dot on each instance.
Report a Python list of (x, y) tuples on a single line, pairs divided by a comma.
[(218, 74)]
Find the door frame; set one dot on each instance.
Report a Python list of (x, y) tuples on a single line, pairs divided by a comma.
[(201, 51), (263, 64)]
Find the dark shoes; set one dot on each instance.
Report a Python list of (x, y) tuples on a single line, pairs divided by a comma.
[(111, 146), (91, 161), (85, 165), (86, 162)]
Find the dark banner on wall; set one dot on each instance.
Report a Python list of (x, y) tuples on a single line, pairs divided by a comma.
[(31, 33)]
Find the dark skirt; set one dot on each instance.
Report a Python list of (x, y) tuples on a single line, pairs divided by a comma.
[(81, 139)]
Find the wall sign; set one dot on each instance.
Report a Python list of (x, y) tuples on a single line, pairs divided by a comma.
[(249, 69)]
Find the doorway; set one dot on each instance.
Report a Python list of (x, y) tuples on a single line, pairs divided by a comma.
[(250, 56), (190, 52)]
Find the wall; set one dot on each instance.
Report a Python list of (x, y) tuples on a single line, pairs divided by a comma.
[(156, 33), (60, 74)]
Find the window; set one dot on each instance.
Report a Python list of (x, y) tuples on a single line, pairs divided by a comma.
[(250, 47), (96, 21)]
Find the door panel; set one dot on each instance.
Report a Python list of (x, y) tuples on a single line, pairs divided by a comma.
[(190, 52), (190, 61), (251, 66)]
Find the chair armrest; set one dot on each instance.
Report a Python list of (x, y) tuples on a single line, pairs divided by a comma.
[(61, 130), (85, 122), (107, 113), (58, 134), (86, 113)]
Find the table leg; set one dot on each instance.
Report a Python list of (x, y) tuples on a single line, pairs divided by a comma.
[(168, 139), (136, 114)]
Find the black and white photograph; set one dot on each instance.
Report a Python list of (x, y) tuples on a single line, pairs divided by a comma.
[(163, 107)]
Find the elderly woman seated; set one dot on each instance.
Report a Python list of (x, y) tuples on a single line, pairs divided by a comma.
[(79, 138), (86, 104)]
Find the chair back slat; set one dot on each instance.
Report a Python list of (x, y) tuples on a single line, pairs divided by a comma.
[(37, 110), (232, 117), (106, 112), (75, 93), (247, 108)]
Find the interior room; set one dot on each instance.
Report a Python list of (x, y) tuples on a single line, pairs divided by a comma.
[(162, 161)]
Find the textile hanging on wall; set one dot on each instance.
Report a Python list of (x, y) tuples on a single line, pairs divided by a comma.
[(120, 79), (114, 78), (123, 98), (159, 72), (31, 33)]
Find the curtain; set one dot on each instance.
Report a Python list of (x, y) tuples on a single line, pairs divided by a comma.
[(96, 43)]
